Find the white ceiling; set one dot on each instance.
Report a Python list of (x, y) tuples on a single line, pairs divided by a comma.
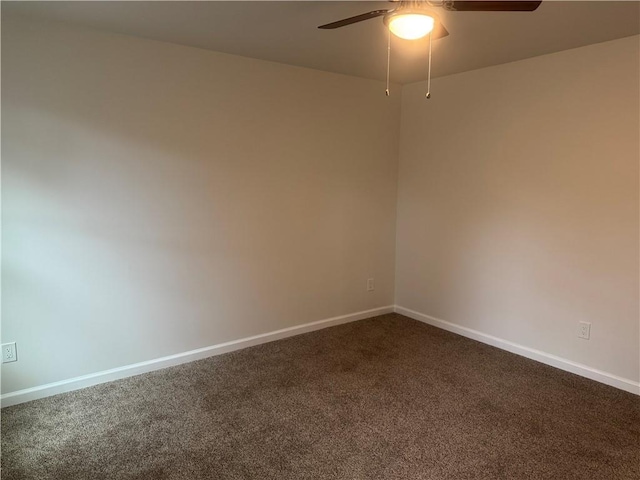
[(286, 31)]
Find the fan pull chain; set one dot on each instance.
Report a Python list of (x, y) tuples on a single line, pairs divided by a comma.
[(429, 72), (388, 60)]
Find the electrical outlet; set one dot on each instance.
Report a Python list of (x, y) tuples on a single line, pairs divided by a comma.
[(370, 285), (9, 352), (584, 330)]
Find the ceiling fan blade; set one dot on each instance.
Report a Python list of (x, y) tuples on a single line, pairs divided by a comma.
[(358, 18), (439, 31), (494, 6)]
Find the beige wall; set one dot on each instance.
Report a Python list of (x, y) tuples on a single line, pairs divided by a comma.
[(158, 198), (518, 203)]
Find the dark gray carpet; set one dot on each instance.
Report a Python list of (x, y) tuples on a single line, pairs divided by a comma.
[(384, 398)]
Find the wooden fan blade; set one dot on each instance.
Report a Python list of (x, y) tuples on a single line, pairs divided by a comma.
[(493, 6), (358, 18)]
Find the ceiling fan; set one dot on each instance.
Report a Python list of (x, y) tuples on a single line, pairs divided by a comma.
[(414, 19)]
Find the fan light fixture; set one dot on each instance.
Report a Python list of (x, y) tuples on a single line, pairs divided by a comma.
[(410, 25), (413, 19)]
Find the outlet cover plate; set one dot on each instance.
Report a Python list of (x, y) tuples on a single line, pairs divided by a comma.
[(584, 330), (9, 353)]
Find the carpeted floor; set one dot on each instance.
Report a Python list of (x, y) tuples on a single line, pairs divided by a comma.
[(384, 398)]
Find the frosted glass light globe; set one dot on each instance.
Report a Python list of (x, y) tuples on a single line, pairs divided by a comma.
[(411, 26)]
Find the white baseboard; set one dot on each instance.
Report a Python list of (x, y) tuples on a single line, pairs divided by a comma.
[(542, 357), (41, 391)]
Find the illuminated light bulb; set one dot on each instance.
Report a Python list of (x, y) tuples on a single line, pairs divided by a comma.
[(411, 26)]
